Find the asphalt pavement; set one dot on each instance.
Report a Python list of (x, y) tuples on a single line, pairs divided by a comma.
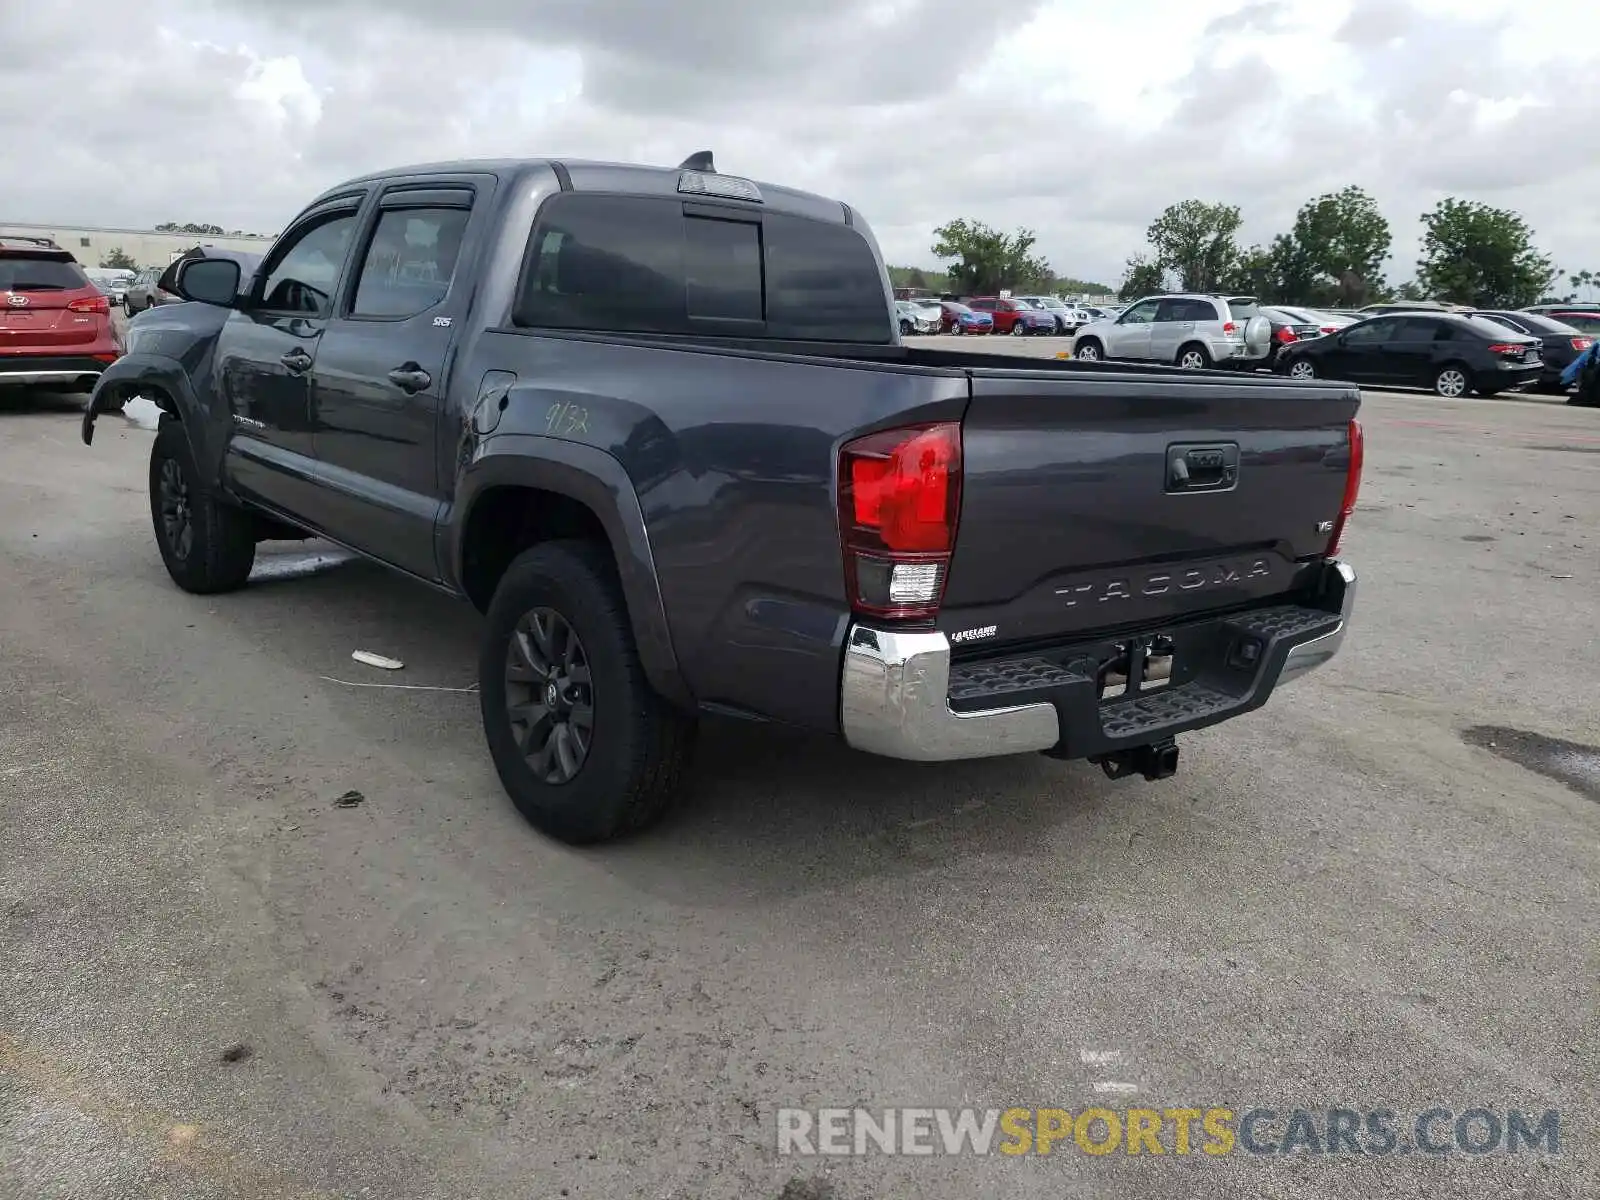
[(216, 980)]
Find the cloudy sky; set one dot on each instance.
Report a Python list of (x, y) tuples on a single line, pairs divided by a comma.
[(1079, 118)]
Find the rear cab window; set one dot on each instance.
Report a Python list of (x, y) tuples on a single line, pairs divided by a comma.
[(646, 264)]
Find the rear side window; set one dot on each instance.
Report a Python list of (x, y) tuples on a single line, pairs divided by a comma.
[(638, 264), (30, 273), (1422, 329), (1243, 310), (409, 262)]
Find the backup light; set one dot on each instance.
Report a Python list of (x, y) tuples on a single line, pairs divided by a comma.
[(730, 187)]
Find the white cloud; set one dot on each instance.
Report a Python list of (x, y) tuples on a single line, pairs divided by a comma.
[(1080, 120)]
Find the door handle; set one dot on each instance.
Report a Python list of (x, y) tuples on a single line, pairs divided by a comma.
[(296, 360), (410, 378)]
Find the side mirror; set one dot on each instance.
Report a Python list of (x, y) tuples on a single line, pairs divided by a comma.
[(210, 281)]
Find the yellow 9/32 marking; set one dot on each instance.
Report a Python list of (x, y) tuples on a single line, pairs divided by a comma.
[(565, 420)]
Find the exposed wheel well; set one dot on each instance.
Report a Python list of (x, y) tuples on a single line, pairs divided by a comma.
[(505, 521)]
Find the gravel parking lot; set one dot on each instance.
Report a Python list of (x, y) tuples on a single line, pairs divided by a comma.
[(1379, 892)]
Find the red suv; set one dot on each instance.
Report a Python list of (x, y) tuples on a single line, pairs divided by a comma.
[(55, 326)]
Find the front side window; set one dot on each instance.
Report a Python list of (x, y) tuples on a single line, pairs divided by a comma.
[(410, 261), (1141, 314), (302, 278)]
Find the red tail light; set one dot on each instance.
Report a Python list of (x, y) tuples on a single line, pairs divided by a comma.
[(899, 502), (1283, 335), (1582, 343), (1229, 327), (1330, 329), (1506, 348), (90, 304), (1352, 487)]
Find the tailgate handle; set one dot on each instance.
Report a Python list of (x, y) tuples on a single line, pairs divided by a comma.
[(1213, 467)]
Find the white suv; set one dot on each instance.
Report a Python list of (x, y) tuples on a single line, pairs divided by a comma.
[(1188, 330)]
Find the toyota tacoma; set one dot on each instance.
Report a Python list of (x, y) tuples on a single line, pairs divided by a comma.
[(659, 426)]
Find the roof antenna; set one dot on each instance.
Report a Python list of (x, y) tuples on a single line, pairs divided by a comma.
[(700, 160)]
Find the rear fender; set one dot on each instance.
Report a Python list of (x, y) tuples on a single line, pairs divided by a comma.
[(165, 381), (598, 481)]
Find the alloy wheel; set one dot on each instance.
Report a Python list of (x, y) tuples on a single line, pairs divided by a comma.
[(177, 521), (1451, 383), (549, 696), (1301, 369)]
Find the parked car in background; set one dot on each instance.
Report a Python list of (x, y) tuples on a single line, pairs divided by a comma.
[(1287, 328), (956, 317), (55, 325), (113, 283), (1014, 316), (145, 293), (1584, 319), (1450, 352), (1325, 321), (1401, 306), (1559, 343), (916, 318), (1189, 330), (1069, 319)]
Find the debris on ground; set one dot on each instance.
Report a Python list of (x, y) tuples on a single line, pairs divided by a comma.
[(377, 660), (351, 799), (237, 1053)]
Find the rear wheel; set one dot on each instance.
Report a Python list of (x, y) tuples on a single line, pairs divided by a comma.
[(1452, 381), (905, 328), (207, 544), (585, 749), (1089, 351), (1193, 357), (956, 329)]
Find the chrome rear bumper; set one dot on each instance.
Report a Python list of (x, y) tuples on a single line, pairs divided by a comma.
[(894, 696)]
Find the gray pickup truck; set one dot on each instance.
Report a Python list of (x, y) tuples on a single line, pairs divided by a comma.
[(658, 425)]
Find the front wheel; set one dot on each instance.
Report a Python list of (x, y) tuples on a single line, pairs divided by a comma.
[(1302, 368), (207, 544), (956, 329), (583, 746), (1088, 352), (1019, 330), (1451, 382)]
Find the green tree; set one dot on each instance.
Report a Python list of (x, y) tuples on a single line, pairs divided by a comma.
[(1195, 240), (1411, 291), (1077, 287), (1345, 239), (1475, 254), (1143, 277), (118, 259), (988, 260), (1254, 272), (1294, 276)]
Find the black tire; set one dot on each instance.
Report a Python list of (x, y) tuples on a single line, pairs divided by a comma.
[(956, 328), (639, 746), (220, 546), (1300, 367), (1096, 351), (1018, 329), (905, 328), (1193, 356)]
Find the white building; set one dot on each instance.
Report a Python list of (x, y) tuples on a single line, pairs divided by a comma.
[(147, 247)]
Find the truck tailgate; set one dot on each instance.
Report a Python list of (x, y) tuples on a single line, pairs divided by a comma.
[(1096, 501)]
